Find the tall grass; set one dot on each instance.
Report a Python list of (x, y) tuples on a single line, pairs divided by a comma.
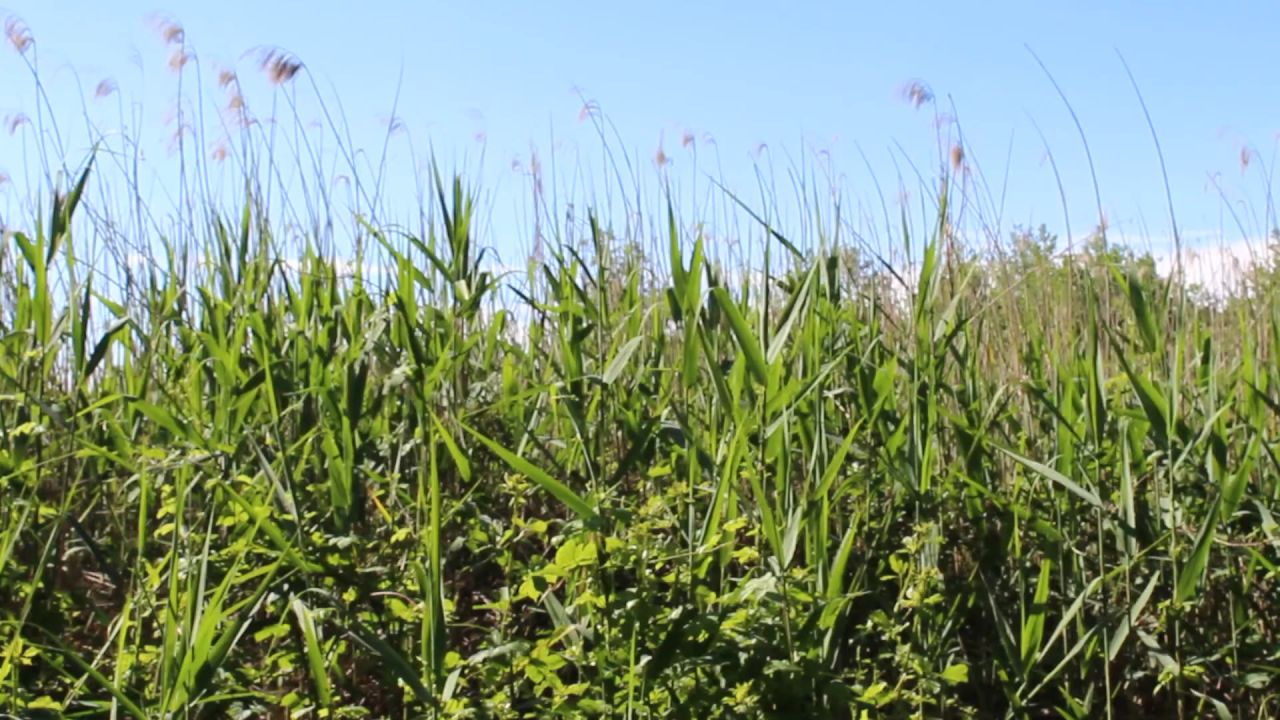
[(641, 479)]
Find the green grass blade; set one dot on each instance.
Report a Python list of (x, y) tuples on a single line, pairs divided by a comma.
[(747, 341), (1191, 573), (1033, 625), (316, 666), (559, 490), (1050, 474)]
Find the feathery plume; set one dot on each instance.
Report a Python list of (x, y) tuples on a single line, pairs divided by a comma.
[(178, 60), (18, 33), (280, 65), (15, 121), (170, 30), (917, 93)]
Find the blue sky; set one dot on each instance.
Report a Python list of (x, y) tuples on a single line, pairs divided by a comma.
[(798, 77)]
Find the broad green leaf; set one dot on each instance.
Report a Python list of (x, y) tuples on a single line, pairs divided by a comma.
[(557, 489), (1190, 574), (956, 674), (316, 665), (460, 460), (1057, 477), (100, 348), (1131, 618), (1033, 625), (620, 360), (163, 418), (794, 313), (1142, 311), (747, 340)]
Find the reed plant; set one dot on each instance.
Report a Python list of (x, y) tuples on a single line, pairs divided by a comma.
[(271, 454)]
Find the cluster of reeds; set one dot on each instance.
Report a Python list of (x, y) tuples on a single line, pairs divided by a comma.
[(243, 477)]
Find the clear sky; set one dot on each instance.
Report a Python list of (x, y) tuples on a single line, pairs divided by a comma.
[(799, 77)]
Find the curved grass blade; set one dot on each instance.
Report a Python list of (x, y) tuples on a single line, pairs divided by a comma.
[(315, 654), (747, 340), (620, 360), (1191, 573), (1057, 477), (559, 490)]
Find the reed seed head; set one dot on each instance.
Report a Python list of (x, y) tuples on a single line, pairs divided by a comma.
[(917, 93), (170, 30), (179, 59), (280, 65), (15, 121), (18, 33)]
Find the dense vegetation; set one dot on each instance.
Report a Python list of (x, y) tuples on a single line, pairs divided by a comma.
[(641, 479)]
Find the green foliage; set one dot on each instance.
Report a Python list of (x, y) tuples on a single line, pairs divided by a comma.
[(1034, 484)]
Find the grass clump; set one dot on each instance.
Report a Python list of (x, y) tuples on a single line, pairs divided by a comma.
[(640, 479)]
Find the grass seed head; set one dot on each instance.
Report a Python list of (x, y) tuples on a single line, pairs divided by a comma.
[(170, 30), (15, 121), (917, 93), (18, 33), (179, 59), (280, 66)]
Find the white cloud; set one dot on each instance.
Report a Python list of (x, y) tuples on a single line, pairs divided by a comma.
[(1217, 266)]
